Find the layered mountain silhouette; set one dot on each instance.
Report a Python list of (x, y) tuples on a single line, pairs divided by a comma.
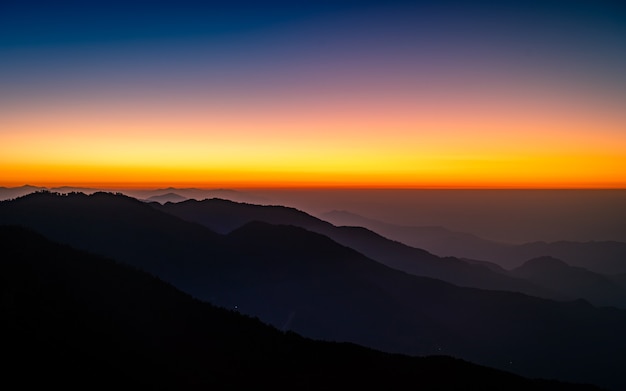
[(80, 321), (167, 197), (73, 189), (562, 282), (436, 239), (224, 216), (607, 257), (162, 195), (195, 193), (306, 282), (7, 193), (573, 281)]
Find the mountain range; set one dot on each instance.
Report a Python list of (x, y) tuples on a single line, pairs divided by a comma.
[(81, 321), (306, 282), (223, 216), (169, 194), (607, 257), (589, 270)]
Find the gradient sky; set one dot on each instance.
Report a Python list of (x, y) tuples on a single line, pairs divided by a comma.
[(323, 93)]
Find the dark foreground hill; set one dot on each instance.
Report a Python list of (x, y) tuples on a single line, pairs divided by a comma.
[(305, 282), (75, 320)]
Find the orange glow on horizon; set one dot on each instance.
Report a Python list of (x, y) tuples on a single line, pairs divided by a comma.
[(122, 177), (456, 141)]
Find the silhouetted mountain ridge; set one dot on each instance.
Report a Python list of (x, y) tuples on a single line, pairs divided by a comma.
[(573, 281), (607, 257), (66, 310), (7, 193), (167, 197), (224, 216), (320, 288)]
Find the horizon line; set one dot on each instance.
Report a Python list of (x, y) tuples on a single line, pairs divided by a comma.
[(127, 186)]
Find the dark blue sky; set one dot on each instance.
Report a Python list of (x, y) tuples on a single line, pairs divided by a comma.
[(587, 37)]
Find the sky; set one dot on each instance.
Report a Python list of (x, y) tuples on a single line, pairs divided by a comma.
[(363, 94)]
